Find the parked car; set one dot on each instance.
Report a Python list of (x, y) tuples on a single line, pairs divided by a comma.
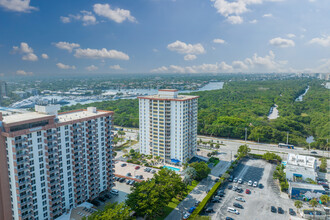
[(128, 174), (261, 186), (255, 184), (230, 187), (247, 191), (122, 180), (234, 188), (229, 218), (137, 167), (273, 209), (250, 183), (313, 152), (209, 210), (230, 179), (128, 182), (214, 200), (237, 205), (107, 196), (186, 215), (240, 181), (240, 199), (216, 180), (153, 171), (232, 210), (280, 210), (197, 203), (123, 164), (235, 180), (95, 202), (102, 199), (192, 209), (114, 192), (291, 212), (220, 175)]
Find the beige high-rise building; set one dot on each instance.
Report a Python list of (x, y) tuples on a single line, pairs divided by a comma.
[(168, 125)]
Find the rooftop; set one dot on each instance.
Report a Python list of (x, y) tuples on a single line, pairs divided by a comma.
[(306, 186), (14, 118), (300, 160), (178, 98), (71, 116), (300, 170)]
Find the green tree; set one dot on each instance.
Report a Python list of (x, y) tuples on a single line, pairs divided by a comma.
[(313, 203), (191, 172), (243, 150), (325, 199), (298, 204), (271, 156), (202, 170), (112, 211), (225, 176)]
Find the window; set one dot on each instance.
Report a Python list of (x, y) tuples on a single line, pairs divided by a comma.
[(42, 178), (66, 127), (39, 133), (66, 133), (39, 140), (39, 146)]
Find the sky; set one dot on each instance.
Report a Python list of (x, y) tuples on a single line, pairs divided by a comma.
[(163, 36)]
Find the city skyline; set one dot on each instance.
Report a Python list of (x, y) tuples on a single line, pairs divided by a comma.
[(150, 36)]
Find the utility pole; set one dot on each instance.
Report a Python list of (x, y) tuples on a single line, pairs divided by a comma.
[(287, 137), (245, 134)]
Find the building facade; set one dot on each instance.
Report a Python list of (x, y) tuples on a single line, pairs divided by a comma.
[(168, 126), (53, 162)]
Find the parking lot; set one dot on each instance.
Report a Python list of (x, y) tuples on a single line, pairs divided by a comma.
[(258, 203), (131, 171)]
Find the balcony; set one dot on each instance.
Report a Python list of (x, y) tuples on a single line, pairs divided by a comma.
[(22, 161), (17, 141)]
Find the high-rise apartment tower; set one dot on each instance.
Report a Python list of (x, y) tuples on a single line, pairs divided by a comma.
[(168, 125), (50, 162)]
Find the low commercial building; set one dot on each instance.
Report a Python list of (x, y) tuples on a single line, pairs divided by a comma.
[(300, 167), (301, 190)]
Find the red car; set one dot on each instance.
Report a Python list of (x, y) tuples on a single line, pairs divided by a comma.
[(137, 167), (247, 191)]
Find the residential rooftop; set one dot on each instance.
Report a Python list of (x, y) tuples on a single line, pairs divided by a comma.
[(169, 95)]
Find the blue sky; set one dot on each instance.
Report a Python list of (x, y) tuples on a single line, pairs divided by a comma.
[(163, 36)]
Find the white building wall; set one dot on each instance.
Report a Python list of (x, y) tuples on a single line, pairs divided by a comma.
[(144, 125)]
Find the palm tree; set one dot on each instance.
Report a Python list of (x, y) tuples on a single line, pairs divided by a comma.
[(298, 204), (313, 203), (325, 199)]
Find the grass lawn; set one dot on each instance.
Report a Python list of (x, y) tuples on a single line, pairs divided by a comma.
[(174, 203)]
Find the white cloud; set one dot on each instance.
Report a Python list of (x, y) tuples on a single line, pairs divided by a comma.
[(65, 19), (17, 5), (228, 8), (30, 57), (23, 73), (189, 57), (323, 41), (91, 68), (218, 41), (254, 21), (26, 51), (115, 67), (87, 18), (118, 15), (64, 66), (239, 65), (44, 56), (235, 19), (281, 42), (267, 15), (183, 48), (254, 64), (291, 35), (161, 69), (155, 50), (66, 46), (100, 54)]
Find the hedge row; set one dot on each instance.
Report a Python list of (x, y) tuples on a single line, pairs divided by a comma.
[(206, 199)]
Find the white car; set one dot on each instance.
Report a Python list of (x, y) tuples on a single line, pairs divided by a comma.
[(240, 180), (235, 180), (186, 215), (114, 191), (240, 199), (250, 183), (255, 184), (232, 210)]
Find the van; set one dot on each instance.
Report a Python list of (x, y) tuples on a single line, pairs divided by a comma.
[(232, 210)]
